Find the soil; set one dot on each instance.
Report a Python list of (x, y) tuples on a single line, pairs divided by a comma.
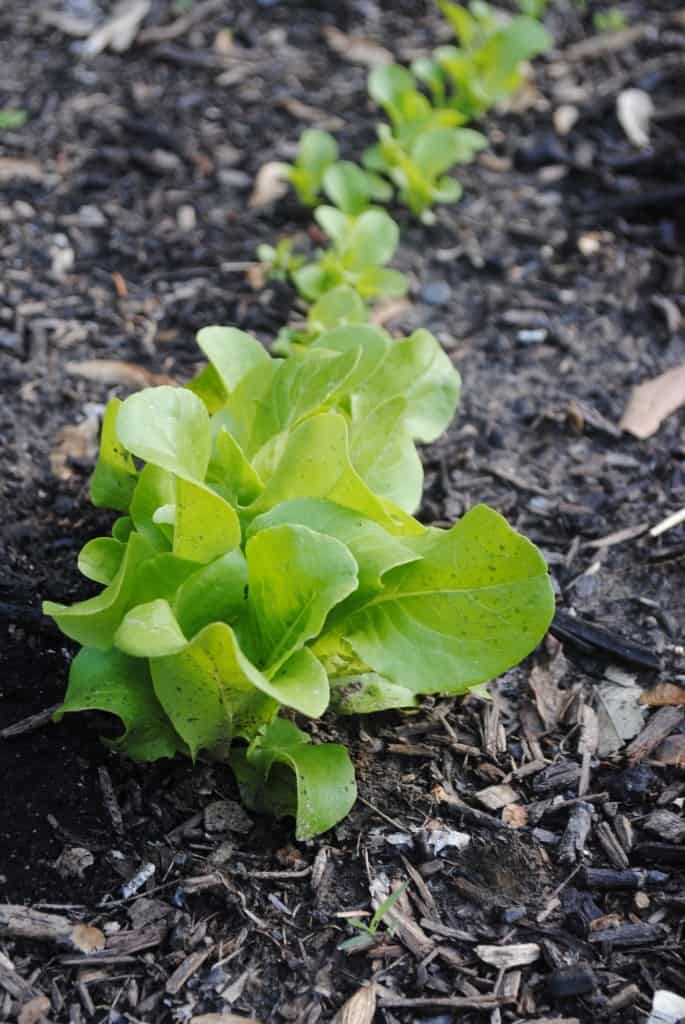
[(556, 285)]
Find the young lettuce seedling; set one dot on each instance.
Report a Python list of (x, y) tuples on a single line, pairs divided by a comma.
[(279, 261), (316, 152), (486, 66), (266, 558), (424, 142), (360, 247)]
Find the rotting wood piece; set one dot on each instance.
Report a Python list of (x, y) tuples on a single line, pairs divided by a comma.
[(633, 878), (665, 721), (601, 641), (573, 840)]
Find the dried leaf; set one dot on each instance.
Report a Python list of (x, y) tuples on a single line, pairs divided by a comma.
[(651, 402), (619, 713), (112, 371), (120, 30), (86, 938), (14, 167), (356, 49), (663, 694), (34, 1010), (74, 442), (498, 796), (544, 681), (634, 109), (359, 1009), (515, 816), (385, 312), (269, 185)]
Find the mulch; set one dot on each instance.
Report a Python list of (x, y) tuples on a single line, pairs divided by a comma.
[(541, 833)]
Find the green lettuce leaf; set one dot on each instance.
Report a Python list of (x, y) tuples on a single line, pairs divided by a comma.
[(114, 477), (169, 427), (295, 577), (476, 603), (283, 773), (95, 621), (111, 681)]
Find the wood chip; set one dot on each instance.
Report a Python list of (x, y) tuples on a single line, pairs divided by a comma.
[(222, 1018), (112, 371), (651, 402), (496, 797), (119, 31), (505, 957), (186, 969), (356, 49), (634, 109), (34, 1010), (360, 1008), (74, 443), (662, 724), (270, 184), (663, 695), (14, 167), (671, 751), (667, 825)]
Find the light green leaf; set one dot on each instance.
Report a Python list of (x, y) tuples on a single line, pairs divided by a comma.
[(295, 577), (372, 239), (232, 353), (376, 281), (340, 307), (374, 550), (367, 693), (388, 84), (384, 455), (347, 186), (477, 602), (206, 525), (435, 151), (122, 528), (114, 477), (230, 473), (111, 681), (319, 793), (371, 342), (312, 281), (315, 463), (161, 577), (215, 593), (211, 690), (155, 489), (150, 631), (310, 381), (94, 622), (100, 559), (334, 222), (169, 427), (419, 369)]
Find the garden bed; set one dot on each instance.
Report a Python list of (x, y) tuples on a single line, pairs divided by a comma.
[(554, 285)]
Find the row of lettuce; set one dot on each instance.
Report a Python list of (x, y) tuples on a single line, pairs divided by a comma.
[(428, 107), (266, 560)]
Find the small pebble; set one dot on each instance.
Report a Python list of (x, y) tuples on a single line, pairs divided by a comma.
[(436, 293)]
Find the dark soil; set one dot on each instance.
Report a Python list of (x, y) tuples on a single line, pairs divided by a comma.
[(556, 285)]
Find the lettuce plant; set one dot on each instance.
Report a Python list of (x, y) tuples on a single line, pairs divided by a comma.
[(360, 247), (316, 152), (265, 559), (423, 141), (486, 66)]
